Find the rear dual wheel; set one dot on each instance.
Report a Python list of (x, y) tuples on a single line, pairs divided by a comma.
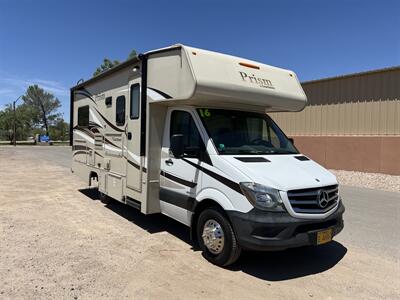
[(216, 238)]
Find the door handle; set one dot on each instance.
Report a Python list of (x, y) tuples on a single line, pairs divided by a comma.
[(129, 135), (169, 162)]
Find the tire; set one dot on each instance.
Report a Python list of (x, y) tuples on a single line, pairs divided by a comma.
[(225, 251)]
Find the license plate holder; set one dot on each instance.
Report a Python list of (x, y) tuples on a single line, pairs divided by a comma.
[(324, 236)]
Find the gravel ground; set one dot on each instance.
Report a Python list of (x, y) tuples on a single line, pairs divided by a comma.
[(376, 181), (57, 241)]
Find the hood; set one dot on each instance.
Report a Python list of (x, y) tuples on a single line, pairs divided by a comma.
[(283, 172)]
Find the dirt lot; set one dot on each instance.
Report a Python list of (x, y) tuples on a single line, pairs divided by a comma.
[(58, 241)]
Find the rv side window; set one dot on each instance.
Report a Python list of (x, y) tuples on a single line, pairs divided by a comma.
[(135, 97), (83, 116), (108, 101), (183, 123), (120, 111)]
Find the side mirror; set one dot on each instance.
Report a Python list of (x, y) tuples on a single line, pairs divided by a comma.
[(177, 147), (291, 140)]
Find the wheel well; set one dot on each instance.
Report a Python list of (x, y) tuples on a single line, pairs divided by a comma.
[(204, 204), (93, 175)]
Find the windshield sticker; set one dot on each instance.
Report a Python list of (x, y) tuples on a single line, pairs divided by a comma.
[(204, 113)]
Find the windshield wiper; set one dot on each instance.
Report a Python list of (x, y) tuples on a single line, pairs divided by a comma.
[(253, 152), (284, 152)]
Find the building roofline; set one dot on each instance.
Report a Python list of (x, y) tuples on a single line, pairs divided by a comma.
[(358, 74)]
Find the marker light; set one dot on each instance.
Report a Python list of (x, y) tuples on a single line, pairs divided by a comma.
[(249, 65)]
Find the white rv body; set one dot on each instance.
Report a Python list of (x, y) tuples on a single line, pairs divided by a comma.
[(123, 122)]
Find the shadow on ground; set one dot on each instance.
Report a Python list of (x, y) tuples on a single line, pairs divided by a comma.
[(291, 263), (271, 266), (151, 223)]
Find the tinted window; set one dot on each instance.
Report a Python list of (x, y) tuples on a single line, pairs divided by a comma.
[(83, 116), (183, 123), (108, 101), (120, 111), (239, 132), (135, 97)]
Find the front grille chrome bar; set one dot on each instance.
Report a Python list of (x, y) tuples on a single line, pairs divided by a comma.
[(306, 200)]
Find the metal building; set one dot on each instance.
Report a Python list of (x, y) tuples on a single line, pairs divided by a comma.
[(351, 122)]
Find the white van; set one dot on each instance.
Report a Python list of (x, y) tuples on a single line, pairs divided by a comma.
[(185, 132)]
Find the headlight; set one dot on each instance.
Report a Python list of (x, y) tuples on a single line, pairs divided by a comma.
[(262, 197)]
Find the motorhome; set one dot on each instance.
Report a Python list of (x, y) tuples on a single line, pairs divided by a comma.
[(185, 132)]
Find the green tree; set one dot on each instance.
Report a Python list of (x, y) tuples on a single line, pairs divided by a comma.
[(59, 130), (42, 106), (108, 63), (132, 54), (6, 123), (23, 122)]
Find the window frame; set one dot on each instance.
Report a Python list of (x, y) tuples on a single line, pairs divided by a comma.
[(130, 103), (88, 115), (202, 145), (116, 110)]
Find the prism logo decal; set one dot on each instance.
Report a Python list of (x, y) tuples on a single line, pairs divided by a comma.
[(322, 198), (261, 82)]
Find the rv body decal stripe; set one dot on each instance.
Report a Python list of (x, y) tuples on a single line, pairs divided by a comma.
[(90, 133), (111, 143), (88, 138), (84, 134), (87, 130), (86, 94), (109, 146), (109, 123), (78, 147), (135, 165), (98, 154), (157, 94), (190, 184), (96, 121), (178, 199), (229, 183), (79, 152)]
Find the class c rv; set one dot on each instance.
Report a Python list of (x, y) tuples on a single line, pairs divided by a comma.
[(185, 132)]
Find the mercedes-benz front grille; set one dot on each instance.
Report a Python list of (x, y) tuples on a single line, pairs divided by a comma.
[(314, 200)]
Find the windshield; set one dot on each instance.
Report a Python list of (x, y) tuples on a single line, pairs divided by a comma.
[(237, 132)]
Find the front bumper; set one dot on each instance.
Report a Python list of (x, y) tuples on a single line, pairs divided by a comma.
[(268, 231)]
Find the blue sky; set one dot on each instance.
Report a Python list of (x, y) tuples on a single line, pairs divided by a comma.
[(55, 43)]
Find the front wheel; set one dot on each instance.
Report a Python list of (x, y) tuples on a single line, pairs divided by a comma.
[(216, 238)]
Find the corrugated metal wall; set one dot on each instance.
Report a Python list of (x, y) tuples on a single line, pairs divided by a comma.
[(360, 104)]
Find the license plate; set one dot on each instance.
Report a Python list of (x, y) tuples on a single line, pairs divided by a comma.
[(324, 236)]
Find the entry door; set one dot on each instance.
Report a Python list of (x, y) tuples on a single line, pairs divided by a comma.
[(135, 163), (180, 178)]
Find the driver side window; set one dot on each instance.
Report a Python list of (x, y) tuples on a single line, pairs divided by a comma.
[(183, 123)]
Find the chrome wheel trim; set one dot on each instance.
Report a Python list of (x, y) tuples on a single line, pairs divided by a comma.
[(213, 236)]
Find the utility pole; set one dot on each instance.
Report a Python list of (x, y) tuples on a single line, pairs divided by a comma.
[(15, 122)]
